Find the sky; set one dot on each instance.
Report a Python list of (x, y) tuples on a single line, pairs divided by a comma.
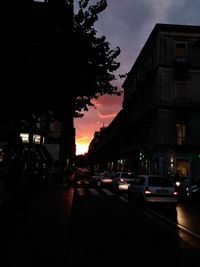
[(128, 24)]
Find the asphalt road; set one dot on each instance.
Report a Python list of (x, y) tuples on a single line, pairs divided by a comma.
[(109, 231), (65, 226)]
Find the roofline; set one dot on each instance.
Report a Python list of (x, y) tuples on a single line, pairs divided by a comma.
[(158, 28)]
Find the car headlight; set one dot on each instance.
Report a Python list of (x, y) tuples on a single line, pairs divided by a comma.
[(177, 183)]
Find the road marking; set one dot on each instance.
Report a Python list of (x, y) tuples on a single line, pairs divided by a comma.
[(124, 198), (108, 192), (94, 192), (80, 192)]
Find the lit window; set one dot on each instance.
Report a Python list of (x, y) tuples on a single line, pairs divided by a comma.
[(25, 137), (180, 132), (36, 138)]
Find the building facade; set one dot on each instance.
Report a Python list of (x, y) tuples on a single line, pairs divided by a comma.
[(158, 129)]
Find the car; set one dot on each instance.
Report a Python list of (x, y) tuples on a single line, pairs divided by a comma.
[(122, 180), (103, 179), (153, 189), (82, 176)]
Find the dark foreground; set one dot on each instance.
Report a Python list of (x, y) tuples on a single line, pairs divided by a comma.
[(63, 228)]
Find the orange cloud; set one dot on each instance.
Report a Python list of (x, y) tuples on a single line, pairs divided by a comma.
[(107, 115), (82, 138), (106, 109)]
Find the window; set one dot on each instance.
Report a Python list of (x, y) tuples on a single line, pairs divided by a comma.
[(181, 90), (25, 137), (180, 133), (139, 181), (36, 139), (181, 50), (182, 166), (160, 181), (128, 175)]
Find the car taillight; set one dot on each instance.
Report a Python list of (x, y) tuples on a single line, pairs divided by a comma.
[(175, 193), (147, 191), (121, 180)]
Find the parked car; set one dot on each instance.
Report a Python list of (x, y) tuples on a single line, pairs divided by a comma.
[(122, 180), (82, 176), (104, 178), (153, 189)]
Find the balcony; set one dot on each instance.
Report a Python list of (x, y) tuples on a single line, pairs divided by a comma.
[(183, 101), (181, 62)]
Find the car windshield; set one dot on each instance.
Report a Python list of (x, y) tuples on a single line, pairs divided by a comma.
[(160, 181), (128, 175), (108, 174)]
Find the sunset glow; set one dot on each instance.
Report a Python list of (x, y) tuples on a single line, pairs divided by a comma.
[(124, 26), (82, 144), (81, 149), (106, 108)]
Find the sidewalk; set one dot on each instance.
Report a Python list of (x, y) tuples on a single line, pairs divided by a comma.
[(39, 238)]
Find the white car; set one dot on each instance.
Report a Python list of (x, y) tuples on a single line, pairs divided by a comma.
[(122, 180), (103, 179), (153, 189)]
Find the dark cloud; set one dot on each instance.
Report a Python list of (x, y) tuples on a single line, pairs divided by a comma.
[(184, 12), (128, 23), (122, 22)]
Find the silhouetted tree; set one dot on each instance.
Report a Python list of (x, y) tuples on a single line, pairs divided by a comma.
[(94, 61), (36, 39), (52, 60)]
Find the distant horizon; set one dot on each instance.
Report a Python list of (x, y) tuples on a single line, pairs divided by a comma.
[(81, 149)]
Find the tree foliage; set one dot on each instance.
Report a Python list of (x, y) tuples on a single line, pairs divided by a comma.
[(94, 60), (51, 61), (35, 56)]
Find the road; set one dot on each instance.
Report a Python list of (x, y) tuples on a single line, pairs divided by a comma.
[(66, 226), (40, 237), (111, 231)]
